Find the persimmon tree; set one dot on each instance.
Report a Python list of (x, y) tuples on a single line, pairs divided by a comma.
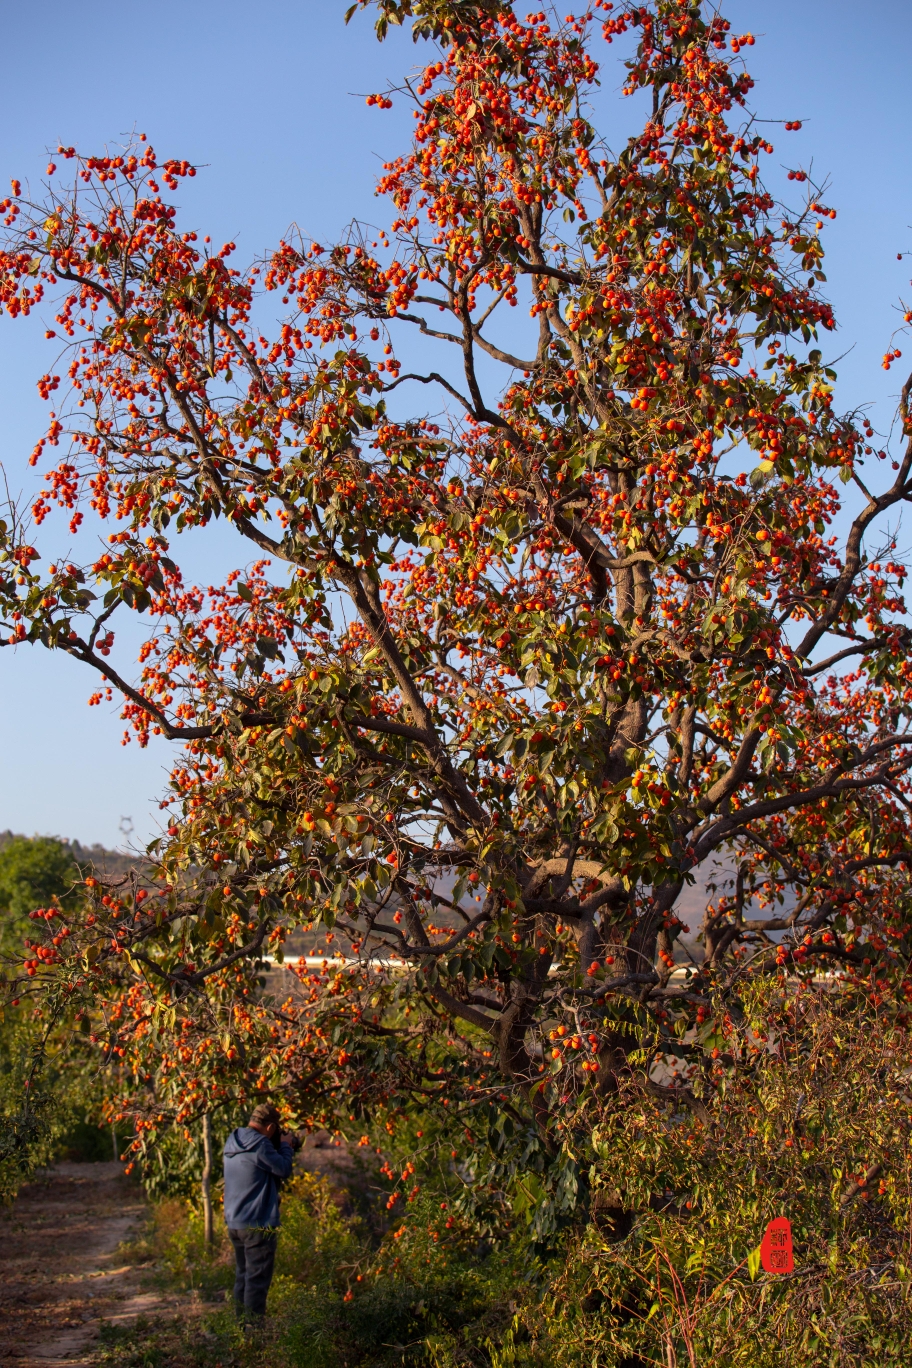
[(542, 610)]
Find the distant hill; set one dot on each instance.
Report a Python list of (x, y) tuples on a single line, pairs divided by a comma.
[(112, 862)]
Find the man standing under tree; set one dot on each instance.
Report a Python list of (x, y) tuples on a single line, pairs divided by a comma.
[(257, 1158)]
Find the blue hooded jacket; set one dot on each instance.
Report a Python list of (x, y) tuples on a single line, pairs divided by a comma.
[(252, 1167)]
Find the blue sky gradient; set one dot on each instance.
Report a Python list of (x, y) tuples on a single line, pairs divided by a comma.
[(268, 98)]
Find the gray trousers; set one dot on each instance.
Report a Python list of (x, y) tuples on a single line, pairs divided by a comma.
[(254, 1255)]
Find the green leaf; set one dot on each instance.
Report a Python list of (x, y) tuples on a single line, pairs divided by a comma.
[(528, 1195)]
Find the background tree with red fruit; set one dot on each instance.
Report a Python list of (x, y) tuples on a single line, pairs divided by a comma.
[(530, 637)]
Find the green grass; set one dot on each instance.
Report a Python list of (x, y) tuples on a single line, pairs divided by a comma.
[(342, 1297)]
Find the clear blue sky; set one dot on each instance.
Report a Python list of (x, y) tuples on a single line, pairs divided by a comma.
[(266, 97)]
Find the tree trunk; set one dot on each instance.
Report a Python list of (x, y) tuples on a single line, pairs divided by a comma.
[(207, 1179)]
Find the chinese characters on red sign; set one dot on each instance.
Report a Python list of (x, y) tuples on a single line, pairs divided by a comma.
[(776, 1254)]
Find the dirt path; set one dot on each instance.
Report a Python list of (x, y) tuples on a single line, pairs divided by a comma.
[(61, 1274)]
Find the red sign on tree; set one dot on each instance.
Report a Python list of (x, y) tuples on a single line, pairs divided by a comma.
[(776, 1254)]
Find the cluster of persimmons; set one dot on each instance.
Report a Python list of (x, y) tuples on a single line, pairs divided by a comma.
[(542, 613)]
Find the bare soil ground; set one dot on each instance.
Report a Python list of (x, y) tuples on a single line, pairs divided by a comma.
[(67, 1267), (62, 1271)]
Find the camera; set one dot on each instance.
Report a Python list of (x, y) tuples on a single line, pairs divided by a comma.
[(292, 1138)]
